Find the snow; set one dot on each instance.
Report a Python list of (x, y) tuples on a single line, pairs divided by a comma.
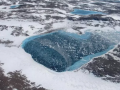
[(17, 59), (71, 30), (58, 25), (116, 17), (59, 10), (6, 34), (4, 8)]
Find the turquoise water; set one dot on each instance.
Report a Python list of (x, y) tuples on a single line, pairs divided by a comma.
[(85, 12), (14, 6), (86, 59), (61, 51)]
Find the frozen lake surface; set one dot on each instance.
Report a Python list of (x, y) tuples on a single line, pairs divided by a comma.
[(61, 51), (85, 12)]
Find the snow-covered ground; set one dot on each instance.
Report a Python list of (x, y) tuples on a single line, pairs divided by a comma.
[(15, 58)]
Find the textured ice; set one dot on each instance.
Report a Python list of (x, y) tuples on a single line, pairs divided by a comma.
[(59, 50), (86, 59)]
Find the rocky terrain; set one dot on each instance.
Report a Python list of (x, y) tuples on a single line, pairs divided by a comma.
[(106, 66), (15, 80)]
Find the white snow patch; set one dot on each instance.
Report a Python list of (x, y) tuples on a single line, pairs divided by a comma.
[(18, 59)]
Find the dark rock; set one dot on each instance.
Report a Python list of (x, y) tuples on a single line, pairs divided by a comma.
[(106, 66)]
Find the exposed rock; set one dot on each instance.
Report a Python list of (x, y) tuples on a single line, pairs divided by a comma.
[(16, 81), (107, 66)]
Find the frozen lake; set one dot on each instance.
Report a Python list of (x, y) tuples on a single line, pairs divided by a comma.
[(85, 12), (61, 51)]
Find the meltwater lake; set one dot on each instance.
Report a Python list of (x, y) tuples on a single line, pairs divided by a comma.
[(63, 51), (85, 12)]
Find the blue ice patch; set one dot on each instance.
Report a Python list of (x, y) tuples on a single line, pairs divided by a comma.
[(60, 50), (85, 12)]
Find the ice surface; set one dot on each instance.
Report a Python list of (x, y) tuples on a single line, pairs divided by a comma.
[(85, 12), (86, 59), (59, 50), (14, 6)]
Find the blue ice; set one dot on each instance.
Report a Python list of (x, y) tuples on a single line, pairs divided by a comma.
[(14, 6), (86, 59), (85, 12), (62, 51)]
